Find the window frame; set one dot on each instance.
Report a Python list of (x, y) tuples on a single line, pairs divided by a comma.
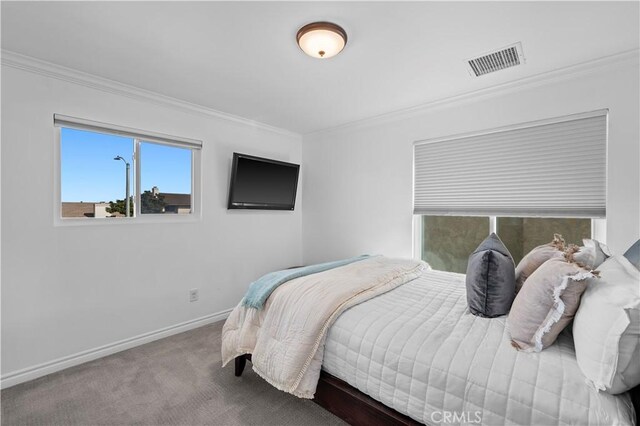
[(138, 137)]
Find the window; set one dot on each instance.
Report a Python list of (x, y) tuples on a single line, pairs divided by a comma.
[(516, 181), (520, 235), (447, 241), (165, 179), (90, 178), (114, 173)]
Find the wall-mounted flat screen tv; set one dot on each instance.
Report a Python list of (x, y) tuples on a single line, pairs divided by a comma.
[(261, 183)]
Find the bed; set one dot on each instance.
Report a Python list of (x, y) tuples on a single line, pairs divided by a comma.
[(416, 355)]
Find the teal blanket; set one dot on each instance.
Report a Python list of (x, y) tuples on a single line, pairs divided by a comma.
[(262, 288)]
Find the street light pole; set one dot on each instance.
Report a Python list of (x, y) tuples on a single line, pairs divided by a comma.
[(127, 184)]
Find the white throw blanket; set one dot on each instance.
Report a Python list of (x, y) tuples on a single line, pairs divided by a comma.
[(286, 338)]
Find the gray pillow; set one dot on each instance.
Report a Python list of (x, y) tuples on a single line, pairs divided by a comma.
[(633, 254), (491, 279)]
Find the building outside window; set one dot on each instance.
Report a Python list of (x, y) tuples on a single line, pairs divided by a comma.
[(447, 241)]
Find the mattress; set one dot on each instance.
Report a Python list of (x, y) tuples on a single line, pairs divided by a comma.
[(418, 350)]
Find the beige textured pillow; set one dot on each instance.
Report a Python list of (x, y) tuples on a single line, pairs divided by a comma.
[(537, 257), (546, 304)]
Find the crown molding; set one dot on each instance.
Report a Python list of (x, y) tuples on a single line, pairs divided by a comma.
[(37, 66), (542, 79), (48, 69)]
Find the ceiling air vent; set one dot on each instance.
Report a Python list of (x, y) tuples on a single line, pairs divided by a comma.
[(495, 61)]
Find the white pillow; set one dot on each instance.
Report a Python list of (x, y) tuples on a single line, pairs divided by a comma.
[(606, 328), (592, 254), (602, 252)]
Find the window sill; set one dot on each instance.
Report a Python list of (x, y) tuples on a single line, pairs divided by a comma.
[(140, 220)]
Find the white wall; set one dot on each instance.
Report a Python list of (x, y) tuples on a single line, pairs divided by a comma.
[(69, 289), (60, 299), (358, 180)]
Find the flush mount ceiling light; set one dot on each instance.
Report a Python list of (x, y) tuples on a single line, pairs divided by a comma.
[(321, 40)]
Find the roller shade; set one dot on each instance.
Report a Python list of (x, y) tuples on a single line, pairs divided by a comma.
[(96, 126), (551, 168)]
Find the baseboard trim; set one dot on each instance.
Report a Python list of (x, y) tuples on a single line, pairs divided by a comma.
[(20, 376)]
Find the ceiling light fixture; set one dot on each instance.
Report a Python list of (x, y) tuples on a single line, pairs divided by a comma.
[(321, 40)]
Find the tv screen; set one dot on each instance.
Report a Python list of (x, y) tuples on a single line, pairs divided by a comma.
[(261, 183)]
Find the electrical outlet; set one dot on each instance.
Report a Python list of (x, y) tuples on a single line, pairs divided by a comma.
[(193, 295)]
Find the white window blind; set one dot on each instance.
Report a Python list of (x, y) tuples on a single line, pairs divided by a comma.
[(552, 168), (96, 126)]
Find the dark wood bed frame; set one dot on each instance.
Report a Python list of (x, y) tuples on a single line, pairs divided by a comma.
[(357, 408)]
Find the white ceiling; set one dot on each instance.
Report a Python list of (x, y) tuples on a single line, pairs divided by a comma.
[(241, 57)]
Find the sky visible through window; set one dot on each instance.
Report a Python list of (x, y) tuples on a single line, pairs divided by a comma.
[(89, 172)]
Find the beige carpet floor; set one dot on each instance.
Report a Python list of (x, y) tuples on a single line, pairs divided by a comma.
[(174, 381)]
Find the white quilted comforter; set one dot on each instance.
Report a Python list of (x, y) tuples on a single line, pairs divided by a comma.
[(418, 350), (287, 336)]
